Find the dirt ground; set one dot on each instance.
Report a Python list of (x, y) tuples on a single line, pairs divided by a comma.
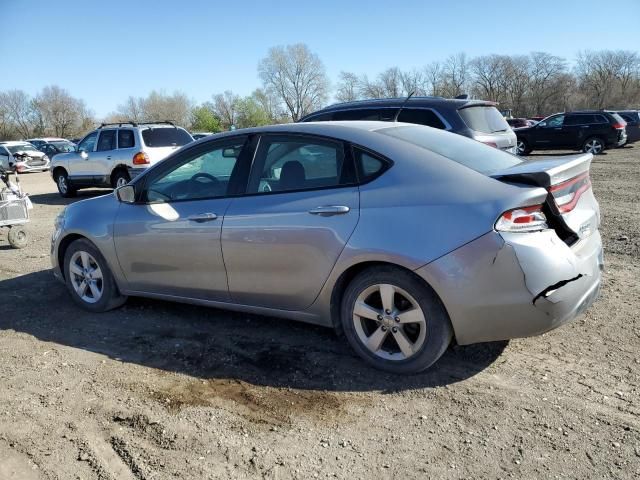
[(157, 390)]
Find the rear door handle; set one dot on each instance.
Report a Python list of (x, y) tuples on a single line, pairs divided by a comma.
[(109, 157), (329, 210), (203, 217)]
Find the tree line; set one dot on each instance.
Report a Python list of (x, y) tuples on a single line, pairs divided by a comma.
[(295, 83)]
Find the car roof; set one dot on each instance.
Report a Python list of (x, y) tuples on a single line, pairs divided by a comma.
[(11, 143), (399, 101), (47, 139)]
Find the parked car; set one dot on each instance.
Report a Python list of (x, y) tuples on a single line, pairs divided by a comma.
[(588, 130), (537, 118), (38, 142), (33, 161), (199, 135), (632, 117), (57, 146), (402, 236), (475, 119), (115, 153), (520, 122)]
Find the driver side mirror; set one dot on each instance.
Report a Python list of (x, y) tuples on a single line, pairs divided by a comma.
[(83, 154), (126, 194)]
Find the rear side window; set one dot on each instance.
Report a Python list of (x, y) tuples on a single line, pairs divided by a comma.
[(484, 119), (421, 116), (107, 140), (126, 139), (600, 119), (165, 137), (323, 117), (381, 114), (463, 150), (369, 166)]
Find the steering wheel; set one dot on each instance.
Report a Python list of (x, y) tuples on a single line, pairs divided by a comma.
[(204, 175)]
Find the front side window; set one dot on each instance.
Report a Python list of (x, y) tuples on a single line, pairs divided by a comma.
[(88, 142), (553, 122), (205, 175), (377, 114), (107, 140), (296, 163)]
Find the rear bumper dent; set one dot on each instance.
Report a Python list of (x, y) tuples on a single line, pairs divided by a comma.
[(504, 286)]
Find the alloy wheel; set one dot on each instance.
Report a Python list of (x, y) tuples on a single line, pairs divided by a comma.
[(62, 183), (389, 322), (593, 146), (521, 147), (86, 277)]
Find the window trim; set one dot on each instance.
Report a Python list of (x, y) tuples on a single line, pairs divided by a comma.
[(191, 153), (347, 158)]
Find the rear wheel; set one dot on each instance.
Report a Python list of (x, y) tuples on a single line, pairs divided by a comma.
[(62, 182), (89, 279), (593, 145), (522, 147), (120, 179), (18, 237), (394, 321)]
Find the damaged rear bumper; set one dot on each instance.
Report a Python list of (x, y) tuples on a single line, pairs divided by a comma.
[(502, 286)]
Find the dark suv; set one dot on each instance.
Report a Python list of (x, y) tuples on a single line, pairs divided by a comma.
[(476, 119), (589, 130), (632, 117)]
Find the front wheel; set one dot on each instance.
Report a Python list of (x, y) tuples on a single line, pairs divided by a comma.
[(89, 279), (394, 321), (593, 145), (62, 182), (522, 148)]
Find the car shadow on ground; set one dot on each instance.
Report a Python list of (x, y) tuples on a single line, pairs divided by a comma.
[(56, 199), (208, 343)]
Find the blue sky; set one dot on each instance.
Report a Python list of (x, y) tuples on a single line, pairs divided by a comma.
[(104, 51)]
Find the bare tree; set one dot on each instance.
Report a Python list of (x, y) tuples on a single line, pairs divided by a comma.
[(156, 106), (348, 88), (298, 76), (433, 74), (226, 107), (545, 71), (269, 102), (455, 75), (58, 111), (19, 111), (414, 81), (490, 74)]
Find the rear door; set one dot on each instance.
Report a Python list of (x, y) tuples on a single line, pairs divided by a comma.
[(281, 240), (126, 147), (577, 128)]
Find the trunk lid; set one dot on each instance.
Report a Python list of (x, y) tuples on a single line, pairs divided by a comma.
[(571, 208)]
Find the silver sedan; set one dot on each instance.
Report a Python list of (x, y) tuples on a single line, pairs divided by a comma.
[(401, 236)]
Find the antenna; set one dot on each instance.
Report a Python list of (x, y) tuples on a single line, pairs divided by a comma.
[(395, 119)]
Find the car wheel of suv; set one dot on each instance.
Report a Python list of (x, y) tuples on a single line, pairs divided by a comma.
[(62, 182), (522, 148), (394, 321), (89, 279), (593, 145), (120, 179)]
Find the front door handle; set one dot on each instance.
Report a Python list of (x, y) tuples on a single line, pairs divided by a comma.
[(203, 217), (329, 210), (109, 157)]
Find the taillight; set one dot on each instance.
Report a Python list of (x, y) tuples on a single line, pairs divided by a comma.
[(619, 126), (523, 219), (140, 158), (491, 144), (567, 194)]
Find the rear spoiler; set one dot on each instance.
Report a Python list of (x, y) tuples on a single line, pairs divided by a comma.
[(547, 171)]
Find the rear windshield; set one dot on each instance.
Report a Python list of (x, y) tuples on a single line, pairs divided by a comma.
[(465, 151), (165, 137), (618, 118), (484, 119)]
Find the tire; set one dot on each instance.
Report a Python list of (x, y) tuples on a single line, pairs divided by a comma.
[(18, 237), (593, 145), (120, 178), (82, 262), (522, 147), (425, 333), (64, 187)]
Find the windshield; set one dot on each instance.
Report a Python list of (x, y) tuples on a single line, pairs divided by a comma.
[(21, 148), (165, 137), (465, 151), (64, 146), (484, 118)]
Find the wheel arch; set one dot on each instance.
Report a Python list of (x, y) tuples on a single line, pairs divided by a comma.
[(351, 272), (59, 168), (64, 245), (121, 167)]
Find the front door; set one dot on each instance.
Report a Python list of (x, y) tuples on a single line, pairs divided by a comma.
[(79, 165), (169, 242), (281, 241), (549, 133)]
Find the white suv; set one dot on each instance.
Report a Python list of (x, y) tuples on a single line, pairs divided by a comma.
[(115, 153)]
